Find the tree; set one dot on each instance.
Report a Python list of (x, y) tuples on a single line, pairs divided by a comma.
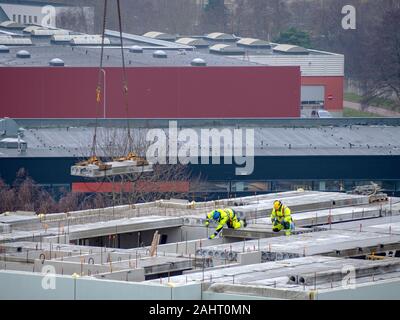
[(384, 57), (7, 197), (214, 16), (260, 18), (294, 37), (74, 18)]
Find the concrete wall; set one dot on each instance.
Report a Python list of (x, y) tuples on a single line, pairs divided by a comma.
[(16, 266), (386, 290), (225, 296), (136, 275), (22, 285), (195, 232), (69, 268)]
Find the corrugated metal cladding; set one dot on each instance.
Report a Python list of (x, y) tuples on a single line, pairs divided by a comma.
[(312, 65), (154, 92)]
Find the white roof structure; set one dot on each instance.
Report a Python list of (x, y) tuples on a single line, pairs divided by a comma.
[(251, 42), (159, 36), (219, 36), (31, 28), (56, 62), (4, 49), (198, 62), (226, 49), (288, 48), (89, 40), (49, 32), (11, 41), (23, 54), (192, 42), (11, 24)]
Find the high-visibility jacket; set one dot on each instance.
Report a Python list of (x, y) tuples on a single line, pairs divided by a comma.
[(284, 214), (227, 216)]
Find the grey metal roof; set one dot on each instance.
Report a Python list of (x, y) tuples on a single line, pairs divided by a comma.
[(269, 141), (83, 56), (181, 54)]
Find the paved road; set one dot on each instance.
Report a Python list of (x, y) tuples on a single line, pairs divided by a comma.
[(376, 110)]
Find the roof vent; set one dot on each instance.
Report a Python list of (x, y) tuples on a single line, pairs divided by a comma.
[(198, 62), (4, 49), (136, 49), (160, 54), (23, 54), (56, 62)]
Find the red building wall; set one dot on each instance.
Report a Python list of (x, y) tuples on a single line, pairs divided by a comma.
[(334, 87), (154, 92)]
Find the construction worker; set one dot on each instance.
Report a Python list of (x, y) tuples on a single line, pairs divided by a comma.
[(224, 217), (281, 218)]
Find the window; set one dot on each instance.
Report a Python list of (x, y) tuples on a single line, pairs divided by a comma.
[(14, 17), (35, 19), (19, 18), (30, 19), (250, 186), (24, 19)]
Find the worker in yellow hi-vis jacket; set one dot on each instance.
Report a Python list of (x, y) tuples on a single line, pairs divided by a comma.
[(224, 217), (281, 218)]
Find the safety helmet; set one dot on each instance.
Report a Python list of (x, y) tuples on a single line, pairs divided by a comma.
[(216, 215), (277, 205)]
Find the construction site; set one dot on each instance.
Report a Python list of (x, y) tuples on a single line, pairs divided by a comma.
[(316, 216), (345, 246)]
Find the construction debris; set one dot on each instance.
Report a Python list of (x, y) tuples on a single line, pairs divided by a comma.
[(373, 191)]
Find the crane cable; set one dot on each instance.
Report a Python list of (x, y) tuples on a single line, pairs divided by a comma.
[(99, 82), (124, 80)]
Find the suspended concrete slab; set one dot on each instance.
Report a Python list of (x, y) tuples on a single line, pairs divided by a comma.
[(110, 169)]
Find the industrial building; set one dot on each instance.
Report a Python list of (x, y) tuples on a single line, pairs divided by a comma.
[(344, 247), (23, 13), (322, 155), (240, 78)]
